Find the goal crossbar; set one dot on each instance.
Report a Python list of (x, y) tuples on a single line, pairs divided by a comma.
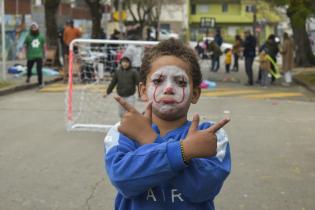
[(71, 124)]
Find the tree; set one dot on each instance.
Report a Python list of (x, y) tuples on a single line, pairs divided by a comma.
[(51, 7), (298, 12), (154, 18), (96, 13), (143, 13)]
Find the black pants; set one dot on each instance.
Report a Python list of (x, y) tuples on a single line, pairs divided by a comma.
[(39, 64), (227, 68), (235, 67), (215, 64), (249, 69)]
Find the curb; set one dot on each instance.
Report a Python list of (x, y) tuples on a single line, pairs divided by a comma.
[(22, 87), (304, 84)]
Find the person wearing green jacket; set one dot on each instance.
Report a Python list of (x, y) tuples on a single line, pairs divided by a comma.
[(35, 52), (126, 79)]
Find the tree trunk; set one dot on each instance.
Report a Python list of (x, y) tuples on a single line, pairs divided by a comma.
[(304, 56), (303, 53), (96, 14), (51, 7)]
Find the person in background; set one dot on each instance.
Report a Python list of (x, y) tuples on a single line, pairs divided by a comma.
[(272, 49), (287, 59), (228, 60), (102, 35), (215, 52), (200, 50), (126, 79), (249, 53), (264, 68), (218, 40), (69, 34), (238, 42), (35, 53), (135, 53)]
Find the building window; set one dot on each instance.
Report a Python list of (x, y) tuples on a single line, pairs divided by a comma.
[(250, 8), (225, 7), (203, 8), (193, 9)]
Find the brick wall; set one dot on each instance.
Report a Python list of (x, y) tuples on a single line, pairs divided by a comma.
[(17, 6), (76, 13)]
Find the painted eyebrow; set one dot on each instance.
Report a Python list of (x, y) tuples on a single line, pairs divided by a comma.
[(181, 77), (157, 76)]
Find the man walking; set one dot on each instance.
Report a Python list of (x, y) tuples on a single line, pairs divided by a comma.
[(249, 54), (70, 33), (34, 43)]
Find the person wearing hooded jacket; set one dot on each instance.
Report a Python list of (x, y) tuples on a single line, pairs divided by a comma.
[(126, 79)]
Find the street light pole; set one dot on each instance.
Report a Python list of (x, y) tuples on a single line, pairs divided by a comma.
[(3, 40)]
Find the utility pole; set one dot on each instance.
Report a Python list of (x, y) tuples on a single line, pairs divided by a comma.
[(3, 40)]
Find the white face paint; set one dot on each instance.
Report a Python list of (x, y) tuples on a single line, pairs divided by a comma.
[(169, 89)]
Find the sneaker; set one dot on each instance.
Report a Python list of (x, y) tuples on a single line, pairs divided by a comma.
[(41, 86)]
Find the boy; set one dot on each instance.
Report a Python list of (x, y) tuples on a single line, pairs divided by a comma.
[(127, 80), (228, 60), (264, 67), (159, 160)]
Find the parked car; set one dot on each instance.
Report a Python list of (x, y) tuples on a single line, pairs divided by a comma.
[(163, 34)]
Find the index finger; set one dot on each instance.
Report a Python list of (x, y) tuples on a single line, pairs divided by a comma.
[(125, 104), (217, 126)]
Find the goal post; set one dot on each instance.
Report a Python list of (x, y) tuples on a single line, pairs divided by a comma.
[(92, 63)]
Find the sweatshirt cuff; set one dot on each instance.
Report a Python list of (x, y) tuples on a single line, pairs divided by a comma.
[(175, 156)]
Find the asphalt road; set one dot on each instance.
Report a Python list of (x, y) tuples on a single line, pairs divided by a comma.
[(42, 166)]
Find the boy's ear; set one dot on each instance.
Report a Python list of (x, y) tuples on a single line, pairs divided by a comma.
[(143, 92), (195, 95)]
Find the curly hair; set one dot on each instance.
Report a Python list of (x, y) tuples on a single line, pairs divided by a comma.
[(174, 48)]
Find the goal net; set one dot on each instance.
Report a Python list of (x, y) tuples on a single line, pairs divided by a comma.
[(92, 63)]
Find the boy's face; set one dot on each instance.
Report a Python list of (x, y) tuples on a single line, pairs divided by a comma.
[(125, 64), (170, 88)]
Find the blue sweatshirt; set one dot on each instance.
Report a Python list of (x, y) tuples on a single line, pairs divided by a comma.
[(154, 176)]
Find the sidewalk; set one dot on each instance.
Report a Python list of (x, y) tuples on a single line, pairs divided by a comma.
[(19, 84), (305, 77), (301, 76), (14, 83)]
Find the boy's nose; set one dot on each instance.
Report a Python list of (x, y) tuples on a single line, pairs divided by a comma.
[(168, 90)]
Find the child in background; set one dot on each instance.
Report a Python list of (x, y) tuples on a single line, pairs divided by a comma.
[(160, 160), (228, 60), (127, 80), (264, 66)]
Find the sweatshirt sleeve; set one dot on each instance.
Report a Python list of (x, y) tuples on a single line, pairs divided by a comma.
[(112, 84), (203, 178), (132, 169)]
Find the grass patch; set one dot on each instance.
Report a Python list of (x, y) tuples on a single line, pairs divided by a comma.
[(4, 84), (307, 77)]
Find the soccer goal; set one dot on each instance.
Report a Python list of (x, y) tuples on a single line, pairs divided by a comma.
[(92, 63)]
